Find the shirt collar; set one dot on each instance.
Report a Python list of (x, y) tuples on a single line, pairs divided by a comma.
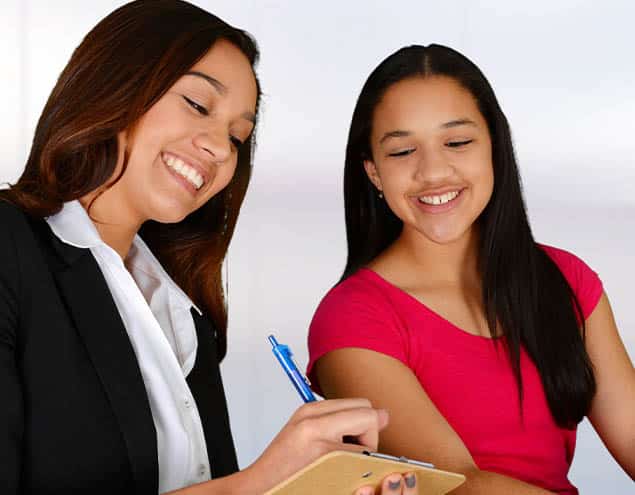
[(142, 258), (73, 226)]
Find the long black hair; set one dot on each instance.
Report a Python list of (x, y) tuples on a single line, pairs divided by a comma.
[(525, 296)]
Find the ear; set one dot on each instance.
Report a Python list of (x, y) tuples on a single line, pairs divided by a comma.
[(373, 175)]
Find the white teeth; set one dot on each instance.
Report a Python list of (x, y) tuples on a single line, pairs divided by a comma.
[(184, 170), (439, 200)]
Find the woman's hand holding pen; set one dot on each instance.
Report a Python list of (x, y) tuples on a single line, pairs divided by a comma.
[(316, 429)]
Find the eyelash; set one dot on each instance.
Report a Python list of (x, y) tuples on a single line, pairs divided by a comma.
[(237, 143), (458, 144), (196, 106), (401, 153), (451, 144)]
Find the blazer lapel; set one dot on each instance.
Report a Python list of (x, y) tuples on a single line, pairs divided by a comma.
[(207, 388), (95, 314)]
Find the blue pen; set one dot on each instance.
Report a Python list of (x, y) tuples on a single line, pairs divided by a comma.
[(285, 358), (301, 384)]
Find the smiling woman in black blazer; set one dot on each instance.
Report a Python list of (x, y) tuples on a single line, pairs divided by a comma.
[(112, 315)]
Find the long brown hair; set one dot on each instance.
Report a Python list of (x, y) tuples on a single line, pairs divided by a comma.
[(121, 68)]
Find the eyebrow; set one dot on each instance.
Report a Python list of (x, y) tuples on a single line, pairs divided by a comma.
[(447, 125), (394, 134), (216, 84), (221, 89), (458, 122)]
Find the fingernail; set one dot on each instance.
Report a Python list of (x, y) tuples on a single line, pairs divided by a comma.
[(394, 485), (410, 480), (365, 491)]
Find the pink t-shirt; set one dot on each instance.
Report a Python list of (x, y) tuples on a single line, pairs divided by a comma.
[(468, 379)]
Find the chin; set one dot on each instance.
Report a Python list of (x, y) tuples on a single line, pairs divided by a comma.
[(168, 213), (445, 236)]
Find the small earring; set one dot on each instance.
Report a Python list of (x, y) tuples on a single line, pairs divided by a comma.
[(225, 217), (381, 195), (226, 214)]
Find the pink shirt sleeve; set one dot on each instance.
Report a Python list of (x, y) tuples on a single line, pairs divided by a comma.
[(585, 283), (356, 313)]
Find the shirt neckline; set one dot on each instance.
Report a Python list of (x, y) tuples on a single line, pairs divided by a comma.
[(373, 274), (73, 226)]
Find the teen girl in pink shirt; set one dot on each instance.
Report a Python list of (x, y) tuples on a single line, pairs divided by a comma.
[(487, 348)]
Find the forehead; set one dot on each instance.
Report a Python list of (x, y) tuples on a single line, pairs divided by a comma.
[(226, 63), (424, 101)]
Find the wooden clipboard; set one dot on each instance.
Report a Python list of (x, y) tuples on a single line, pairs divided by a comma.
[(341, 473)]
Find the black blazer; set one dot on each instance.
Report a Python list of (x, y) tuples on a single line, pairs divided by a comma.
[(74, 414)]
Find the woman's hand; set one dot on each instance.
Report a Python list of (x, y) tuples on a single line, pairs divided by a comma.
[(395, 484), (314, 430)]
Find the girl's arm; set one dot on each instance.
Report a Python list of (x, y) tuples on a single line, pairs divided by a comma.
[(417, 429), (612, 411)]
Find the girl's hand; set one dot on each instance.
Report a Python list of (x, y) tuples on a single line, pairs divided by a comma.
[(394, 484)]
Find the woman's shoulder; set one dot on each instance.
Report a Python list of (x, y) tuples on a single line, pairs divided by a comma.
[(21, 235), (360, 301), (14, 222), (582, 279), (18, 227), (362, 287), (357, 312), (11, 214), (568, 262)]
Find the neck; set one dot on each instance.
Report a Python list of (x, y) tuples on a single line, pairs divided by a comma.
[(454, 263), (116, 225)]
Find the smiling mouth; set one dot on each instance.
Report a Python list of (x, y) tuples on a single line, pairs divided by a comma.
[(186, 171), (440, 199)]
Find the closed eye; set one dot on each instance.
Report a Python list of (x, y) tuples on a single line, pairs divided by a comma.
[(458, 144), (401, 153), (196, 106)]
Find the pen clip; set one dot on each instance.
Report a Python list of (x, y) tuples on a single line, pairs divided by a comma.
[(285, 358)]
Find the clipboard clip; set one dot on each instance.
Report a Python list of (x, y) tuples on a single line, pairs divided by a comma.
[(403, 459)]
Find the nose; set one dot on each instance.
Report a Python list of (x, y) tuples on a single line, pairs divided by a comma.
[(433, 167), (215, 143)]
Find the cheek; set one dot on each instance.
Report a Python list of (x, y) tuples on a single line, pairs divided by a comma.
[(394, 178), (223, 177), (485, 183), (488, 175), (226, 177), (161, 125), (480, 169)]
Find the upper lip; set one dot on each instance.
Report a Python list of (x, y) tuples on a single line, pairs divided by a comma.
[(439, 192), (195, 164)]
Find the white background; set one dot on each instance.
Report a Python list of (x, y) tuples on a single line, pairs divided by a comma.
[(564, 74)]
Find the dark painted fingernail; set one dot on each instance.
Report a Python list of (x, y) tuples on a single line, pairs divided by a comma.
[(411, 481), (394, 485)]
